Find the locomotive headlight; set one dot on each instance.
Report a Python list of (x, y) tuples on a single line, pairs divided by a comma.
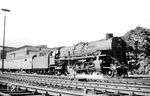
[(119, 46)]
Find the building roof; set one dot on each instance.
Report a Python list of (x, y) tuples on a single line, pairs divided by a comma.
[(26, 46), (31, 48), (8, 47)]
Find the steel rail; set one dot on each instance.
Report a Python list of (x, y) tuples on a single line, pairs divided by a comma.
[(91, 83), (121, 81), (113, 80)]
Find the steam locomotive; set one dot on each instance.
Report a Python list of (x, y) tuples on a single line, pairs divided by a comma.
[(107, 56)]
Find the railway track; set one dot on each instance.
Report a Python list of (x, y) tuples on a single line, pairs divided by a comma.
[(132, 80), (65, 84)]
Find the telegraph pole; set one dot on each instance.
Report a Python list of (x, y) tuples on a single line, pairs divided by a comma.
[(3, 50)]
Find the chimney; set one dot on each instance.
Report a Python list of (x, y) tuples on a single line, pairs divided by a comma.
[(109, 35)]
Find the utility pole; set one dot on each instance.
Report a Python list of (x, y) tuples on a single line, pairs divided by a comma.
[(3, 50)]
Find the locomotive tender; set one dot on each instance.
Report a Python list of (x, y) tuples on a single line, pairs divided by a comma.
[(106, 56)]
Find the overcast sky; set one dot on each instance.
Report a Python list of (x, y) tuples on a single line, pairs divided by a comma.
[(66, 22)]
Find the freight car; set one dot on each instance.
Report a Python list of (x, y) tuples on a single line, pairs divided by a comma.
[(16, 64), (34, 63), (107, 57)]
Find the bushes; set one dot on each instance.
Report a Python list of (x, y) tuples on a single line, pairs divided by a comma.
[(139, 39)]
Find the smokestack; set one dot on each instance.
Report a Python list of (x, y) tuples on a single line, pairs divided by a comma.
[(109, 35)]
